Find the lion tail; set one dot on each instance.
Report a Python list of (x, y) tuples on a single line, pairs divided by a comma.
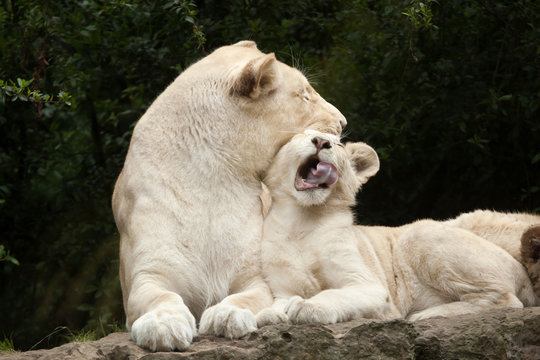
[(530, 253)]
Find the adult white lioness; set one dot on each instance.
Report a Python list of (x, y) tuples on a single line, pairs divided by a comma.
[(323, 269), (186, 203)]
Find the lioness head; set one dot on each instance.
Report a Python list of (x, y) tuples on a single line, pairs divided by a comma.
[(270, 91), (238, 103), (315, 168)]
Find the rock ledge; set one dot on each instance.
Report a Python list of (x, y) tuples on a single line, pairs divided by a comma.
[(499, 334)]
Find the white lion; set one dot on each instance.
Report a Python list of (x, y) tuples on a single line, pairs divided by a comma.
[(505, 230), (187, 201), (323, 269)]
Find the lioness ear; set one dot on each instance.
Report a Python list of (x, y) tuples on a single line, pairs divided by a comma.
[(246, 43), (258, 77), (363, 159)]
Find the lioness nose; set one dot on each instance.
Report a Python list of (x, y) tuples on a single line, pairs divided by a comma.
[(321, 143)]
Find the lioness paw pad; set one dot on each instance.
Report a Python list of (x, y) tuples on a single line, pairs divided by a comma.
[(228, 321), (302, 311), (164, 330)]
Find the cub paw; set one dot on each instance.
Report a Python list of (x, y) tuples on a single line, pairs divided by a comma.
[(164, 329), (270, 316), (228, 321), (301, 311)]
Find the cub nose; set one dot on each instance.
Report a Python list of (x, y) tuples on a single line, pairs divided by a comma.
[(321, 143)]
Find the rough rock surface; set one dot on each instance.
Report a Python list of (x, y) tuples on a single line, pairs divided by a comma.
[(500, 334)]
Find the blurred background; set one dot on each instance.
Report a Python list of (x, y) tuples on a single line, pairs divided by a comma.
[(448, 93)]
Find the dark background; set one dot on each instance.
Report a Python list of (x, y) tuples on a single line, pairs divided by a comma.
[(448, 94)]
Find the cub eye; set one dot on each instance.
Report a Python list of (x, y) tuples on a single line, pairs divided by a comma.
[(341, 145)]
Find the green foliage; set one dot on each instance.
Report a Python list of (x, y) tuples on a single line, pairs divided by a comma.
[(298, 31), (189, 11), (5, 256), (453, 112), (448, 94), (92, 332), (6, 345), (420, 15), (83, 336), (22, 91)]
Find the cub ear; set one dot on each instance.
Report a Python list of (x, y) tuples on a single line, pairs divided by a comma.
[(258, 77), (363, 159)]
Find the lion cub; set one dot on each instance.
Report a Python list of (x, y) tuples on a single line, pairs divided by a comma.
[(323, 269)]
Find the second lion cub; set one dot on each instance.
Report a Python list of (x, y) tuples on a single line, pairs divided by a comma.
[(323, 269)]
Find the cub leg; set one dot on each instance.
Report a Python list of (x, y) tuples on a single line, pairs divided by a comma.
[(451, 271), (234, 316), (369, 300), (469, 305), (352, 289)]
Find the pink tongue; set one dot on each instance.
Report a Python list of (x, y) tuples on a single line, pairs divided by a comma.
[(325, 173)]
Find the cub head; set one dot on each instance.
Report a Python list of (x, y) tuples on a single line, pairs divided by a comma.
[(316, 169)]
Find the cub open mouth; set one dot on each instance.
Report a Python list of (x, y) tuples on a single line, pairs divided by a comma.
[(314, 174)]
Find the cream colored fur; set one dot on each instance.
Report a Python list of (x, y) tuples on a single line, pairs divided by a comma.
[(187, 201), (517, 233), (503, 229), (323, 269)]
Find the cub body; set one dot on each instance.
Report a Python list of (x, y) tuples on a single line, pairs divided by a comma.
[(187, 200), (321, 268)]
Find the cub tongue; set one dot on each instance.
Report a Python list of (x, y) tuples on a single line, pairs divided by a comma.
[(325, 173)]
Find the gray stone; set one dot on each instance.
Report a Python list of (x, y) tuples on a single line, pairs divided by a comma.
[(499, 334)]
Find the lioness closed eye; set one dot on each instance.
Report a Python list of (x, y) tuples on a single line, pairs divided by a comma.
[(323, 269)]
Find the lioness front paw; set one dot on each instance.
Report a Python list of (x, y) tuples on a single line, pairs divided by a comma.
[(270, 316), (301, 311), (228, 321), (164, 329)]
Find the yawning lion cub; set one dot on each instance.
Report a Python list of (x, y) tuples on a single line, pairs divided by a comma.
[(323, 269)]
